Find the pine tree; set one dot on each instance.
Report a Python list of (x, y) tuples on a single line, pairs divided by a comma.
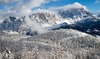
[(0, 56), (7, 54), (25, 53), (35, 53), (57, 51)]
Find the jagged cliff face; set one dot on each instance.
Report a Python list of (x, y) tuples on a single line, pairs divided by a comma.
[(45, 17)]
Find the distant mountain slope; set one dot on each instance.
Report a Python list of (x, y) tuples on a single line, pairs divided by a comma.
[(98, 15), (88, 25)]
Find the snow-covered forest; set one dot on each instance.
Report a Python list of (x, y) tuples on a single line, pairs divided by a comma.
[(57, 44)]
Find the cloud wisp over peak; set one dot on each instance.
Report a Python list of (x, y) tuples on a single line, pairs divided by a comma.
[(66, 7)]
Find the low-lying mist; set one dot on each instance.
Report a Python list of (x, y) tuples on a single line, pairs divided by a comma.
[(33, 26)]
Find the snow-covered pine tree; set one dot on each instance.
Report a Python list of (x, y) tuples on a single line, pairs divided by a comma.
[(35, 53), (7, 54), (25, 53), (57, 51)]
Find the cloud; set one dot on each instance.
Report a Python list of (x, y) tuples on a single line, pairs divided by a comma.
[(20, 8), (4, 2), (97, 1), (34, 27), (66, 7)]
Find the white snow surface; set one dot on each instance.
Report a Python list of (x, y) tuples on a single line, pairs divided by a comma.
[(11, 32)]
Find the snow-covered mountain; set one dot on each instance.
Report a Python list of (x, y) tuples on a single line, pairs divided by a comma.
[(36, 21), (42, 20), (73, 13), (46, 17), (60, 33)]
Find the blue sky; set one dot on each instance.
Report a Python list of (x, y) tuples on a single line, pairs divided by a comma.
[(92, 5)]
